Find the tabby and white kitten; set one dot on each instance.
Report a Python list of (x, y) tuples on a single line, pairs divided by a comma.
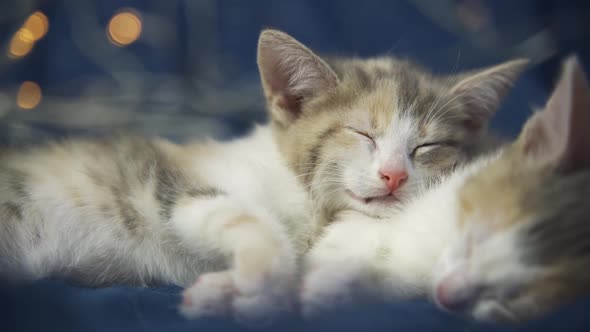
[(146, 211), (366, 134), (512, 228)]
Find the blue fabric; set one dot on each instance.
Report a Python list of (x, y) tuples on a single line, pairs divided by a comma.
[(193, 50), (55, 306)]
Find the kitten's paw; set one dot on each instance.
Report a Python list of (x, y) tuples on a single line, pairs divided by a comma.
[(219, 295), (328, 288), (261, 310), (209, 296)]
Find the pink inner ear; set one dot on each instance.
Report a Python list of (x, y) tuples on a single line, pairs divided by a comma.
[(290, 71), (274, 77), (566, 119), (276, 80), (483, 91), (578, 149), (290, 103)]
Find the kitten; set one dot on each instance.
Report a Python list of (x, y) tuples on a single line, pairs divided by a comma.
[(526, 251), (511, 227), (367, 134), (147, 211), (143, 211)]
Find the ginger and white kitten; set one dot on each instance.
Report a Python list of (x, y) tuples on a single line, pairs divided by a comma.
[(526, 251), (147, 211), (511, 227)]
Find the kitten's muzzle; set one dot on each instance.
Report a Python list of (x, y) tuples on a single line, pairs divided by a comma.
[(454, 294)]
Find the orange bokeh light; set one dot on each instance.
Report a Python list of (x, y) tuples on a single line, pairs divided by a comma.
[(37, 24), (21, 43), (29, 95), (124, 28), (34, 28)]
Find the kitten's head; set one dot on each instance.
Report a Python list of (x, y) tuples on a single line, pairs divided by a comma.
[(366, 134), (526, 218)]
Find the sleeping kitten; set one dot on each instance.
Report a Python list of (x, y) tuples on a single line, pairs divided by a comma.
[(364, 134), (147, 211), (367, 134), (526, 251), (513, 224)]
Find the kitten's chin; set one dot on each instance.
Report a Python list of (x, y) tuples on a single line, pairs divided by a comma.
[(378, 206), (387, 200)]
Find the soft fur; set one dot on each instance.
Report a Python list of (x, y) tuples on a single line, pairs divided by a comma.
[(132, 210), (341, 122), (238, 214), (511, 227)]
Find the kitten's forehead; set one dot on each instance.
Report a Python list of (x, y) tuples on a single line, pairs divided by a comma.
[(387, 88), (496, 199), (547, 209)]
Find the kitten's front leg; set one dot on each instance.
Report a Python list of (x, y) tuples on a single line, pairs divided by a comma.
[(342, 268), (258, 286), (335, 284)]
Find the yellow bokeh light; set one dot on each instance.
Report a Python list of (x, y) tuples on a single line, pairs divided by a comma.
[(29, 95), (124, 28), (35, 27), (21, 43), (37, 24)]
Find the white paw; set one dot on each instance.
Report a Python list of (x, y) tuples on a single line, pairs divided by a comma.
[(219, 294), (329, 287), (209, 296)]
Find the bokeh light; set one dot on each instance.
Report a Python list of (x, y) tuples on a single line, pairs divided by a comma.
[(21, 43), (124, 28), (34, 28), (37, 24), (29, 95)]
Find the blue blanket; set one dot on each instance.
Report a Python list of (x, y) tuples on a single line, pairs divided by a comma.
[(54, 306)]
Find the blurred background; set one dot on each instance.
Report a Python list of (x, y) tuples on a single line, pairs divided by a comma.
[(186, 68)]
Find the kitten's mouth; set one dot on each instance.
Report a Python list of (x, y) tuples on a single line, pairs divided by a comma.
[(383, 199)]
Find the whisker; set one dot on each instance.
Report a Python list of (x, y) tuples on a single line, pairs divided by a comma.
[(445, 87), (443, 110)]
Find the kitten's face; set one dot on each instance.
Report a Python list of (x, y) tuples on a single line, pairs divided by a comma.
[(371, 146), (525, 246), (525, 243), (367, 134)]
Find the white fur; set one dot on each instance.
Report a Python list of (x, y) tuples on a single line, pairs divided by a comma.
[(392, 152), (398, 253), (261, 186), (204, 234)]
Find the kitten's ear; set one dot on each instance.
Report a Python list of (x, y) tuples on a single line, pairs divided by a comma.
[(561, 132), (290, 73), (481, 92)]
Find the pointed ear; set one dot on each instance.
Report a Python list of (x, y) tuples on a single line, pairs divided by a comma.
[(560, 133), (290, 73), (483, 90)]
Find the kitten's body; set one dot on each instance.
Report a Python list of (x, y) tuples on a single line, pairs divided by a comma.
[(503, 238), (106, 211)]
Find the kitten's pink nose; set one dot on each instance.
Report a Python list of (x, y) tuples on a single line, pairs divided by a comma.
[(393, 178), (456, 301), (454, 293)]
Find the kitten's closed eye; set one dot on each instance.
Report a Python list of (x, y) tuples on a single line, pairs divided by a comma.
[(426, 147), (364, 134)]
